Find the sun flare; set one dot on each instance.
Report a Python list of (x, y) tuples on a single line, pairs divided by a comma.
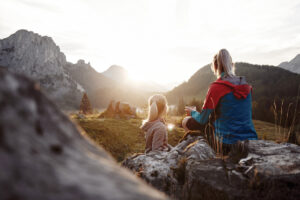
[(171, 127), (135, 76)]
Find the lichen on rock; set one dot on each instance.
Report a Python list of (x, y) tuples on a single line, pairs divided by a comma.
[(191, 170)]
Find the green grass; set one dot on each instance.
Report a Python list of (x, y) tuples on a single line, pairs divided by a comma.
[(267, 131), (123, 137), (120, 137)]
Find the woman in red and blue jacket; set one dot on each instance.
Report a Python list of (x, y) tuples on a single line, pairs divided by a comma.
[(229, 97)]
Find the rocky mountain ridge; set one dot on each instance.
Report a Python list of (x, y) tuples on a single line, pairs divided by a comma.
[(293, 65), (87, 76), (119, 74), (116, 73), (39, 58)]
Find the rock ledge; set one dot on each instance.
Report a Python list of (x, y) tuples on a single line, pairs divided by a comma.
[(192, 171)]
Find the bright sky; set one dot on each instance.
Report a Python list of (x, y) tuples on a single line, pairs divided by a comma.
[(161, 40)]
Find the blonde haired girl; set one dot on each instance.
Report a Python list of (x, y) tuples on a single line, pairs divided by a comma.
[(154, 126)]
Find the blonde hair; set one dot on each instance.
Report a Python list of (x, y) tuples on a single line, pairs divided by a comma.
[(222, 62), (158, 106)]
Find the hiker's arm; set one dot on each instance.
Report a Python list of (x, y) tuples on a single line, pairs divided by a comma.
[(210, 103), (201, 117)]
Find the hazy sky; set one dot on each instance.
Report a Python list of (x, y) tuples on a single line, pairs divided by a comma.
[(161, 40)]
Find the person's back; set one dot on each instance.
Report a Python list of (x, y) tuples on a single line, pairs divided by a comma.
[(156, 134), (229, 100), (234, 112)]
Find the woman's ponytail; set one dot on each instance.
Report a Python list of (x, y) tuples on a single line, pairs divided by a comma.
[(153, 111), (225, 63), (158, 106), (222, 62)]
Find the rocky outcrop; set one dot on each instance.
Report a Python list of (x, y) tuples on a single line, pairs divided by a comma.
[(192, 171), (117, 109), (43, 156), (293, 65), (40, 58)]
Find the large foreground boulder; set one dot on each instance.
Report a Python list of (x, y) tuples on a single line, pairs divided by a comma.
[(43, 156), (192, 171)]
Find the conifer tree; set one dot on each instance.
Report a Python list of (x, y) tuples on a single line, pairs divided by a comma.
[(197, 103), (85, 105), (180, 106)]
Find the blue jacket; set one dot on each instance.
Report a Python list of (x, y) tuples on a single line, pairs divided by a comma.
[(232, 101)]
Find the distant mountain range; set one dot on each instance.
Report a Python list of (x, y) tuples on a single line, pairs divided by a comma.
[(112, 84), (266, 80), (269, 84), (120, 74), (293, 65), (85, 75), (117, 73), (39, 58)]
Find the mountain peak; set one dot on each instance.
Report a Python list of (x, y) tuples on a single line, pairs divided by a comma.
[(82, 62), (39, 55), (297, 58), (39, 58), (25, 32), (25, 35), (293, 65), (116, 68), (116, 72)]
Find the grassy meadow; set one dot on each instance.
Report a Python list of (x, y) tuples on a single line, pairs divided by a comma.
[(123, 137)]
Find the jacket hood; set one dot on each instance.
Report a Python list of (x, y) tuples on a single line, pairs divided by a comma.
[(239, 91), (147, 125)]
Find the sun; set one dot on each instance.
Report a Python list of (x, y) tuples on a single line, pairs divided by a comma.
[(136, 76)]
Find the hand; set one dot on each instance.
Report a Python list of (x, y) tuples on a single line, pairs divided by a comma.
[(188, 110)]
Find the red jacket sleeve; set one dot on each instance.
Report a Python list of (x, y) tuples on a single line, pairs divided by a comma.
[(214, 94)]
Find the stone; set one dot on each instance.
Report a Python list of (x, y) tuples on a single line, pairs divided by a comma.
[(191, 170), (43, 155)]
